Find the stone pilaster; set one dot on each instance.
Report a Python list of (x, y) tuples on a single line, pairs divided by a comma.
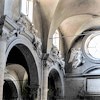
[(45, 70), (2, 64), (5, 30), (45, 84)]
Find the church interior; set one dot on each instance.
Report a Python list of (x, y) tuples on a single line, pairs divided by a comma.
[(49, 50)]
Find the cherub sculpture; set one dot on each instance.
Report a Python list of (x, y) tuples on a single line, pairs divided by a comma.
[(76, 57)]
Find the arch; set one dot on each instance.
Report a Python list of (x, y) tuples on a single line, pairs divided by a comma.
[(92, 24), (31, 60), (67, 37), (91, 69), (11, 75), (86, 7), (55, 85), (19, 71), (9, 90)]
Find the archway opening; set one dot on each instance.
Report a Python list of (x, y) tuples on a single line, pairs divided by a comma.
[(55, 91), (22, 55), (9, 91)]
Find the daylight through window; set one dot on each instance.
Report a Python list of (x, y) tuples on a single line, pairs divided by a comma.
[(27, 8), (56, 39)]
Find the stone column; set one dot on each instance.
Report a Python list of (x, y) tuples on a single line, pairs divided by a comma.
[(2, 64), (44, 82)]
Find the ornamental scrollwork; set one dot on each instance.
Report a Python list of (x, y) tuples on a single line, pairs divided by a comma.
[(55, 57), (25, 25), (37, 44)]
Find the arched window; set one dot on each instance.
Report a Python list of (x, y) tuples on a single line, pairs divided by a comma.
[(56, 39), (27, 8), (92, 46)]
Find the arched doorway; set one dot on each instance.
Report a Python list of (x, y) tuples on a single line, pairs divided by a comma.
[(9, 91), (55, 90), (21, 52)]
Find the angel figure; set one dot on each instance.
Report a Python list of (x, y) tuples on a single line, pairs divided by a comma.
[(76, 57)]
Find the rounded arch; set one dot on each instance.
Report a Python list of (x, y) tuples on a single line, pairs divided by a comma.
[(9, 90), (17, 71), (22, 43), (92, 70), (55, 84), (92, 24), (23, 47), (12, 82), (71, 8), (68, 36)]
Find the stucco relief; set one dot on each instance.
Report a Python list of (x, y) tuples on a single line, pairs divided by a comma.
[(76, 57), (37, 45), (25, 25), (55, 57), (21, 26)]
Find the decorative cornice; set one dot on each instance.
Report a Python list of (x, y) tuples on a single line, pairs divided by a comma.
[(5, 20), (25, 25), (9, 27)]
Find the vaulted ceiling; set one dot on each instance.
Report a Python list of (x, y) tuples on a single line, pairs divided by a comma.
[(69, 16)]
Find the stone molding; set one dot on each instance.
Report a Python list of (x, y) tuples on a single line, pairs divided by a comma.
[(9, 28), (54, 58), (25, 25)]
